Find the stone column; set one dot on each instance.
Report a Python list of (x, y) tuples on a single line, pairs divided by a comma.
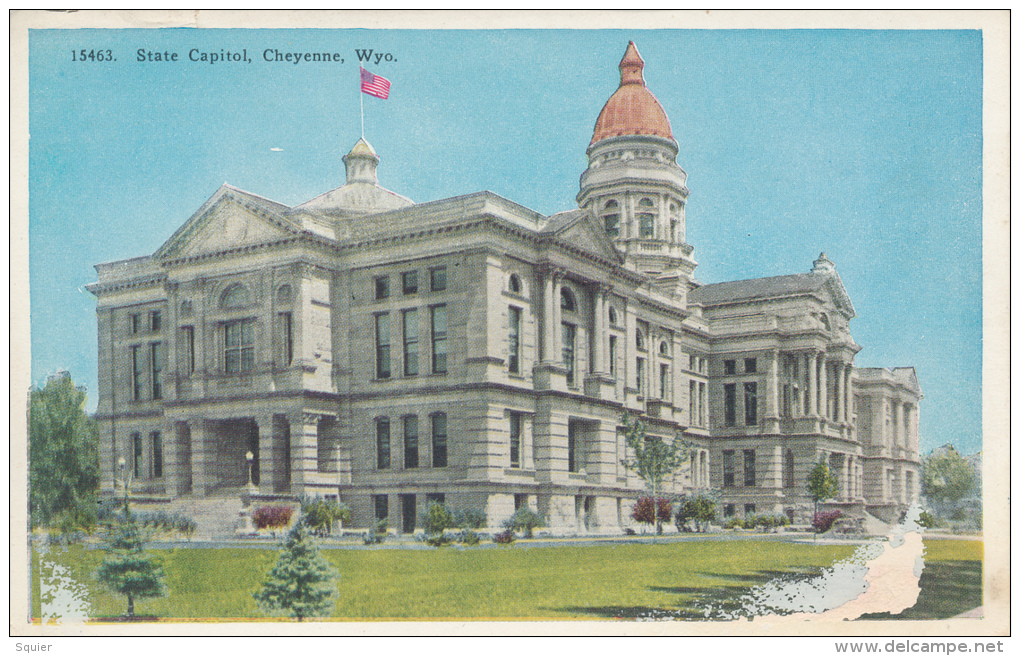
[(823, 386), (269, 473), (599, 325), (304, 434), (898, 423), (848, 388), (837, 414), (772, 391), (175, 448), (201, 456), (548, 340), (557, 319), (844, 484), (812, 385)]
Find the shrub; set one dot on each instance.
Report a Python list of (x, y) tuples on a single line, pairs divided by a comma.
[(471, 518), (644, 513), (437, 539), (701, 509), (272, 517), (378, 532), (927, 520), (824, 520), (436, 518), (468, 538), (506, 537), (525, 519), (734, 522), (321, 514)]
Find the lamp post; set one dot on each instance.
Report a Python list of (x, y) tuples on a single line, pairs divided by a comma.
[(250, 457), (125, 481)]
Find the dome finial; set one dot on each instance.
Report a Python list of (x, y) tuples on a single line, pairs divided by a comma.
[(631, 66), (823, 264)]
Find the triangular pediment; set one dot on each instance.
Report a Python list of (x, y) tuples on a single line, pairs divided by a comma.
[(230, 219), (837, 293), (579, 229)]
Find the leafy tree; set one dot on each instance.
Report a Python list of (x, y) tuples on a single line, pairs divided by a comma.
[(655, 460), (63, 454), (821, 484), (322, 514), (946, 477), (436, 519), (302, 581), (127, 569), (525, 519), (699, 509), (644, 511)]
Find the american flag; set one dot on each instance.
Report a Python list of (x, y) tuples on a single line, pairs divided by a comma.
[(374, 85)]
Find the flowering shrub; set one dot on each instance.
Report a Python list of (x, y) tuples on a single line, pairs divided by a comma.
[(644, 514), (506, 537), (824, 520), (271, 516)]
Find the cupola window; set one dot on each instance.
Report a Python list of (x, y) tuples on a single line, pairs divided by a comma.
[(611, 218), (646, 219)]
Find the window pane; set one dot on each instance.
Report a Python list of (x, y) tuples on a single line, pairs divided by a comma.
[(382, 346), (514, 341), (569, 332), (409, 280), (439, 339), (410, 442), (439, 440), (382, 443), (515, 440), (410, 326), (157, 455), (750, 403), (382, 287), (438, 277)]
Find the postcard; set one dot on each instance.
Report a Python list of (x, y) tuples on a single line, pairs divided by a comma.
[(605, 323)]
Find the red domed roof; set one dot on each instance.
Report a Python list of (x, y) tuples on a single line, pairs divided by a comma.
[(632, 109)]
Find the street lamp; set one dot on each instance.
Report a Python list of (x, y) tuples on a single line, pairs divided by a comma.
[(125, 482), (250, 457)]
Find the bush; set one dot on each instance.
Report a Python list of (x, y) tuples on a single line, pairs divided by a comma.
[(437, 539), (468, 538), (472, 518), (321, 514), (701, 509), (436, 518), (378, 532), (506, 537), (766, 522), (271, 517), (525, 519), (644, 513), (824, 520), (734, 522)]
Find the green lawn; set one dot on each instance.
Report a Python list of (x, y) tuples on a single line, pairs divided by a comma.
[(566, 582)]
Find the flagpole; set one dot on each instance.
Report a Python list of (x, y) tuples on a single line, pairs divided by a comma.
[(362, 95)]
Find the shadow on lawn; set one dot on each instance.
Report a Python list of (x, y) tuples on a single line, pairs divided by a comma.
[(693, 602), (948, 588)]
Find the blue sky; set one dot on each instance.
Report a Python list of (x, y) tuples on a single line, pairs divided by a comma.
[(863, 144)]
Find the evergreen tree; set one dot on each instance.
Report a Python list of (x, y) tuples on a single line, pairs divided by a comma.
[(302, 582), (63, 454), (127, 568)]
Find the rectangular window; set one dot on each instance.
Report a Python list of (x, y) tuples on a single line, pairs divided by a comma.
[(189, 349), (692, 401), (569, 334), (729, 367), (435, 497), (382, 443), (135, 324), (437, 279), (514, 339), (410, 442), (409, 282), (287, 337), (382, 506), (156, 366), (730, 403), (612, 356), (729, 473), (382, 346), (612, 222), (647, 222), (729, 510), (703, 405), (157, 454), (751, 365), (239, 352), (515, 439), (439, 339), (749, 468), (640, 375), (749, 509), (572, 459), (155, 321), (410, 321), (137, 456), (663, 381), (439, 438), (137, 373), (382, 287), (750, 403)]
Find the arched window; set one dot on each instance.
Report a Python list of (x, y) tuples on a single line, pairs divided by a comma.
[(567, 302), (639, 340), (611, 218), (235, 296), (646, 218), (515, 283), (663, 348), (613, 319), (284, 294)]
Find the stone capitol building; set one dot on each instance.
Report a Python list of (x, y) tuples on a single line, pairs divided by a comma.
[(473, 351)]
